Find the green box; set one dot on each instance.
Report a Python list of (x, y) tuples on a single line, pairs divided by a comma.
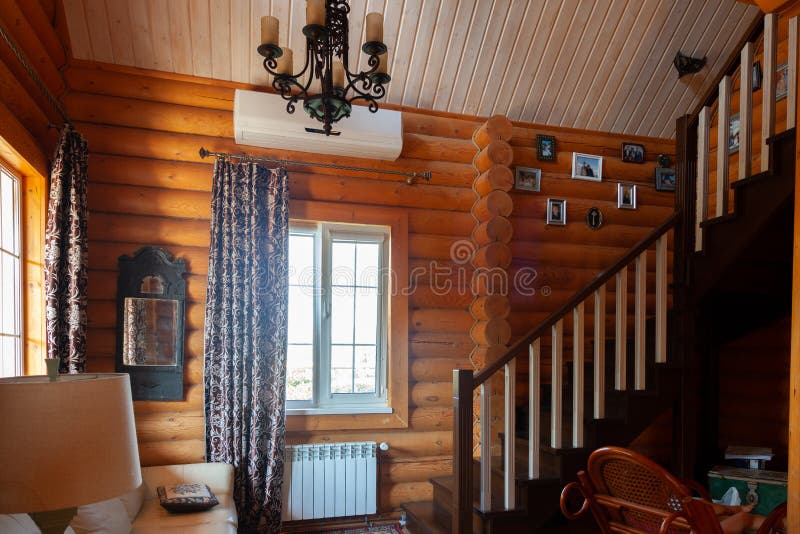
[(767, 489)]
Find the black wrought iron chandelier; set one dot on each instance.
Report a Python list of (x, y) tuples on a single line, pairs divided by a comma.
[(326, 32)]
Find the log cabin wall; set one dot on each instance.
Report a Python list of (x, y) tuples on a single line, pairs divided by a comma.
[(754, 391), (148, 186), (26, 143)]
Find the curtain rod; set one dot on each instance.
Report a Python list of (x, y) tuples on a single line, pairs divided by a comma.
[(33, 75), (409, 174)]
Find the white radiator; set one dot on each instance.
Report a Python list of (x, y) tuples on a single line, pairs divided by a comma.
[(329, 480)]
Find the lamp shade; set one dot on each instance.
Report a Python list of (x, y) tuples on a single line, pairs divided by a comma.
[(66, 443)]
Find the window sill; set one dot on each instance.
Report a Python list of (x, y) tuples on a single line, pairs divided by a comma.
[(339, 410)]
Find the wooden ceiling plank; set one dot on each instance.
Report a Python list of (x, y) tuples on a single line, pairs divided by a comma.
[(469, 54), (452, 59), (550, 54), (180, 36), (221, 39), (731, 28), (257, 74), (296, 20), (407, 35), (572, 73), (443, 33), (516, 63), (420, 60), (100, 37), (532, 60), (586, 13), (200, 25), (140, 32), (594, 59), (661, 73), (240, 52), (627, 73), (80, 41), (161, 35), (358, 15), (629, 17), (391, 30), (511, 38), (119, 22), (487, 55)]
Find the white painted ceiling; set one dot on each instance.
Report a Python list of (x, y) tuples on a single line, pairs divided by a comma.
[(590, 64)]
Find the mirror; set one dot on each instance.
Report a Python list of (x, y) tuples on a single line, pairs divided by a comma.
[(151, 293), (150, 332)]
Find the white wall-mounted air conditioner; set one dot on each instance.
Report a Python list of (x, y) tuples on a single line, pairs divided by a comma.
[(260, 119)]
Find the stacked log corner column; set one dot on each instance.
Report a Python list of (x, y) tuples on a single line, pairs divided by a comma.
[(491, 259)]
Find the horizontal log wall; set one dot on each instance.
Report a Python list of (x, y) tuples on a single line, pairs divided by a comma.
[(148, 186)]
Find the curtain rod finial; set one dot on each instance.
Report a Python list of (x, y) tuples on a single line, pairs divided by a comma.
[(203, 153)]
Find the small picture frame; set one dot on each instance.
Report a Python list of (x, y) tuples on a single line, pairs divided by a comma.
[(587, 167), (545, 147), (632, 153), (626, 196), (556, 211), (733, 141), (528, 179), (781, 81), (665, 179)]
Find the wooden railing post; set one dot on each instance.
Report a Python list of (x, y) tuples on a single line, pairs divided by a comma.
[(462, 451)]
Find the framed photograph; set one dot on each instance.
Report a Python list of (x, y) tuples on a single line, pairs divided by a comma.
[(626, 196), (632, 153), (587, 167), (527, 179), (665, 179), (781, 81), (545, 147), (556, 211), (733, 142)]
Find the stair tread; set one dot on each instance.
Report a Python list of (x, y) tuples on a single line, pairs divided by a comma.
[(751, 179), (423, 512), (718, 220)]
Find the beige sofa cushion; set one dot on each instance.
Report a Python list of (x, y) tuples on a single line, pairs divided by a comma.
[(152, 518)]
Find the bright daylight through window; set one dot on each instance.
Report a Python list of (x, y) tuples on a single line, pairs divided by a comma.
[(10, 279), (337, 318)]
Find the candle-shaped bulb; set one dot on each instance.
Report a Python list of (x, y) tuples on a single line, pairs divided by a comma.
[(315, 12), (375, 27), (269, 30), (338, 74), (285, 62), (383, 59)]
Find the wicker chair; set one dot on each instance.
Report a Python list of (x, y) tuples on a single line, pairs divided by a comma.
[(629, 493)]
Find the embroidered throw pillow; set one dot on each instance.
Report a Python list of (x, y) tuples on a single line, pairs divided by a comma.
[(186, 498)]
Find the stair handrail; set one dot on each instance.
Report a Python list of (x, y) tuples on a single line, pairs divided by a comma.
[(522, 344)]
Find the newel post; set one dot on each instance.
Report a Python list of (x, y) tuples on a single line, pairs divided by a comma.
[(462, 451)]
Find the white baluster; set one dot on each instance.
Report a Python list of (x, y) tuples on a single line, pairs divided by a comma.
[(510, 476), (534, 408), (791, 86), (600, 353), (621, 341), (486, 445), (723, 146), (640, 325), (746, 111), (661, 299), (556, 384), (701, 201), (768, 86), (577, 376)]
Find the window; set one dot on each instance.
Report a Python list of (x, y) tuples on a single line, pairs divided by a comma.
[(10, 278), (338, 299)]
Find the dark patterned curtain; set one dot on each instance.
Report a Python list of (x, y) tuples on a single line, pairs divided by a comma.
[(245, 336), (65, 254)]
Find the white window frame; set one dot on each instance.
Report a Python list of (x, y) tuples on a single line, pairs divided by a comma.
[(19, 367), (323, 400)]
